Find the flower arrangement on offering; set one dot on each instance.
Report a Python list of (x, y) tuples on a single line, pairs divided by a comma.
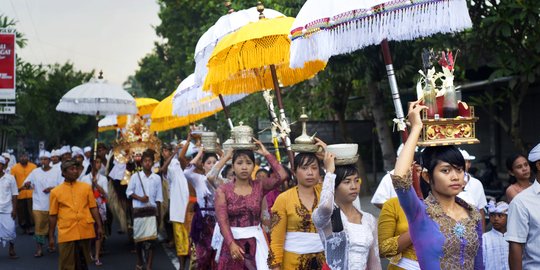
[(447, 120)]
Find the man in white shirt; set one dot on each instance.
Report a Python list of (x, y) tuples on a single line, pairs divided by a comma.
[(523, 232), (473, 192), (145, 190), (8, 206), (42, 180), (179, 198)]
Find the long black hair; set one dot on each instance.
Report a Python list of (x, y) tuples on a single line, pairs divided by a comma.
[(436, 154), (510, 164)]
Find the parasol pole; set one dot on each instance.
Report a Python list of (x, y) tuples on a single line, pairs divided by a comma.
[(273, 120), (97, 135), (400, 121), (284, 124), (226, 110)]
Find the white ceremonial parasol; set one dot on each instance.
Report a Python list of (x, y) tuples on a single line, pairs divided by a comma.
[(190, 100), (326, 28), (97, 97)]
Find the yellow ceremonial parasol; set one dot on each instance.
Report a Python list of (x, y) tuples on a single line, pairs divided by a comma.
[(163, 118), (242, 61), (145, 106)]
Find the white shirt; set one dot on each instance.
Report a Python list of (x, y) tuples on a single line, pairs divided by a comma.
[(495, 251), (179, 191), (8, 189), (41, 180), (474, 192), (152, 188), (205, 192), (385, 191), (361, 241), (118, 171), (524, 224), (101, 181)]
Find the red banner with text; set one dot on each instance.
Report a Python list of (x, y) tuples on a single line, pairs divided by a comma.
[(7, 65)]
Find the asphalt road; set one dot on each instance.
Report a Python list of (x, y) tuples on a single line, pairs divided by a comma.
[(117, 257)]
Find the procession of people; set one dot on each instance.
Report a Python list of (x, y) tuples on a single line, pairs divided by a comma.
[(235, 200)]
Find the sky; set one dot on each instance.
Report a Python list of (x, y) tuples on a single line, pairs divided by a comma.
[(108, 35)]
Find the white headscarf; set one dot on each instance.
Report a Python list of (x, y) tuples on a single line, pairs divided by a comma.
[(534, 155), (497, 208)]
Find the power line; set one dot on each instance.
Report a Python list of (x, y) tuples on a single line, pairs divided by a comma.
[(18, 19), (35, 31)]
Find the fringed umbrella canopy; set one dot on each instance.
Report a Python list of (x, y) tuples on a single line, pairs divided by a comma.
[(240, 63), (225, 25), (326, 28), (97, 97)]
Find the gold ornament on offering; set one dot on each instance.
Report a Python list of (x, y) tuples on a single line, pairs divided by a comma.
[(304, 143), (448, 131), (136, 139)]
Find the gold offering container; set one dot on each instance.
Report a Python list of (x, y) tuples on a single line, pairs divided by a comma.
[(448, 131)]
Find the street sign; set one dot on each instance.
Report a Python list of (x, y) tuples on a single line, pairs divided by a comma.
[(7, 63), (7, 109)]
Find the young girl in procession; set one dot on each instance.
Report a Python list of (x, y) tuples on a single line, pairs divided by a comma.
[(520, 175), (99, 185), (295, 243), (204, 220), (349, 235), (238, 212), (445, 230)]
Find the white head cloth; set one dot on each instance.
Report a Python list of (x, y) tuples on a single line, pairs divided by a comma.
[(6, 155), (497, 208), (64, 150), (54, 153), (76, 151), (2, 160), (87, 149), (44, 154), (534, 155), (466, 155), (400, 148)]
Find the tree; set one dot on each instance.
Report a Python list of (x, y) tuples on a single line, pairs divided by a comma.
[(506, 39), (39, 90)]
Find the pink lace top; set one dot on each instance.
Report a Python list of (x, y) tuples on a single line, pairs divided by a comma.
[(233, 210)]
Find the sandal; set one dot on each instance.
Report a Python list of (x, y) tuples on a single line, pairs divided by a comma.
[(139, 267), (51, 250), (38, 254), (98, 262)]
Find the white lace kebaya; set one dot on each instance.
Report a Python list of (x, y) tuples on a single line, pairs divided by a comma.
[(356, 246)]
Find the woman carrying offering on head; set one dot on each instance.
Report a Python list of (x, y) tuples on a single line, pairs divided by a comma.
[(295, 243), (349, 234), (238, 211), (204, 220), (445, 230)]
